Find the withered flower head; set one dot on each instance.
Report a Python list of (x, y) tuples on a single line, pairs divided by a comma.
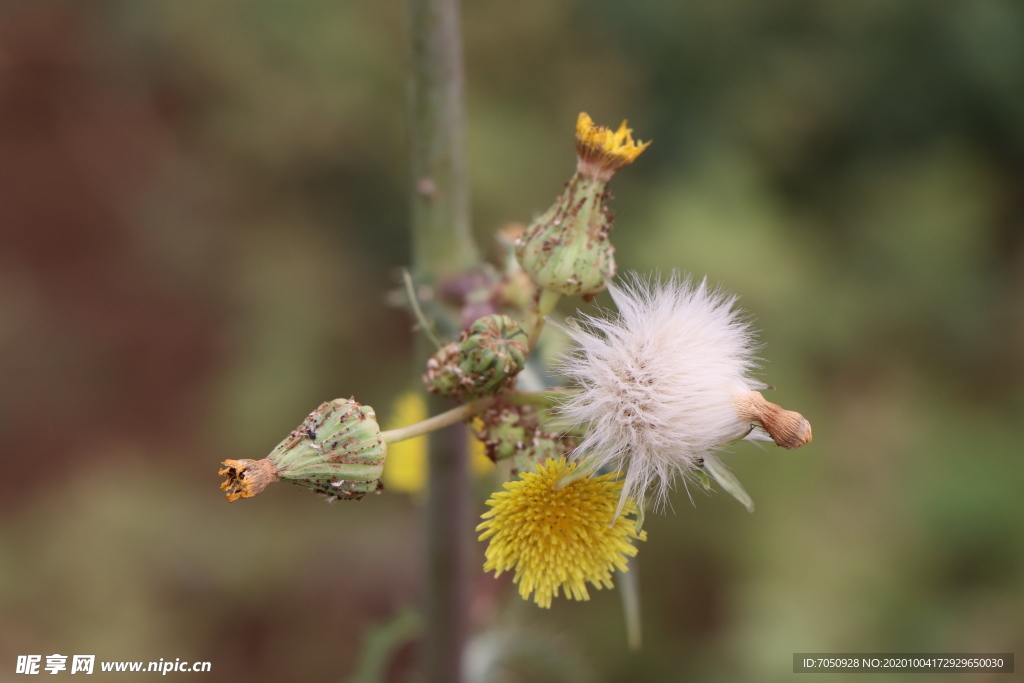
[(246, 478), (336, 451)]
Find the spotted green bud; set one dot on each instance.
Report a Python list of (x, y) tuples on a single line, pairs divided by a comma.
[(484, 362), (514, 432), (492, 352), (444, 375), (567, 249), (336, 451), (506, 432)]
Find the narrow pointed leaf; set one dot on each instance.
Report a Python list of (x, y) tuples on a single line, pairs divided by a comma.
[(629, 588), (728, 481)]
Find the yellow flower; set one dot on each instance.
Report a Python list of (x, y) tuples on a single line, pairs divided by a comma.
[(558, 538), (601, 151), (405, 469)]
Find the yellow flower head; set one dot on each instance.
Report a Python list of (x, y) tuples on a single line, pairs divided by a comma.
[(558, 538), (600, 151)]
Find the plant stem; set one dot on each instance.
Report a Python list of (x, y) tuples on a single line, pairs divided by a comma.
[(546, 301), (442, 245), (381, 644), (541, 399), (445, 419), (442, 240), (425, 324)]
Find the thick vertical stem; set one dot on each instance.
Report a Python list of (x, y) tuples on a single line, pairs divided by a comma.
[(448, 538), (442, 239), (442, 246)]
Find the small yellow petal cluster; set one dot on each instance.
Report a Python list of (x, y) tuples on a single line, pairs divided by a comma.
[(558, 538), (405, 470), (601, 151)]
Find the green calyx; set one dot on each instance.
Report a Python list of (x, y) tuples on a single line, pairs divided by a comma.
[(567, 249), (506, 431), (484, 362), (336, 451), (541, 447), (514, 432)]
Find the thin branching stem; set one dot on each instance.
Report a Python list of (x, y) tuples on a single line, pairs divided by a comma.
[(445, 419), (544, 303), (425, 324), (541, 399)]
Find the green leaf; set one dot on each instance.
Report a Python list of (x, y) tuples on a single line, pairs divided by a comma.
[(728, 481)]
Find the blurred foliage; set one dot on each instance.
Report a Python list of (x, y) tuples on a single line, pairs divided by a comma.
[(202, 206)]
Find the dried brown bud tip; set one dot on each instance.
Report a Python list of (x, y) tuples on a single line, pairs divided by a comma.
[(787, 428), (246, 478)]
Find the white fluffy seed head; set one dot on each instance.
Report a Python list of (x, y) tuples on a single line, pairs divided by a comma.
[(658, 380)]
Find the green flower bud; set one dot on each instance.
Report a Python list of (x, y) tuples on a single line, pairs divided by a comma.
[(567, 249), (336, 451), (492, 352), (514, 432), (485, 360), (505, 432)]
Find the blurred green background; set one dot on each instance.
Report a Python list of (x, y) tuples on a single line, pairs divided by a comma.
[(202, 210)]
